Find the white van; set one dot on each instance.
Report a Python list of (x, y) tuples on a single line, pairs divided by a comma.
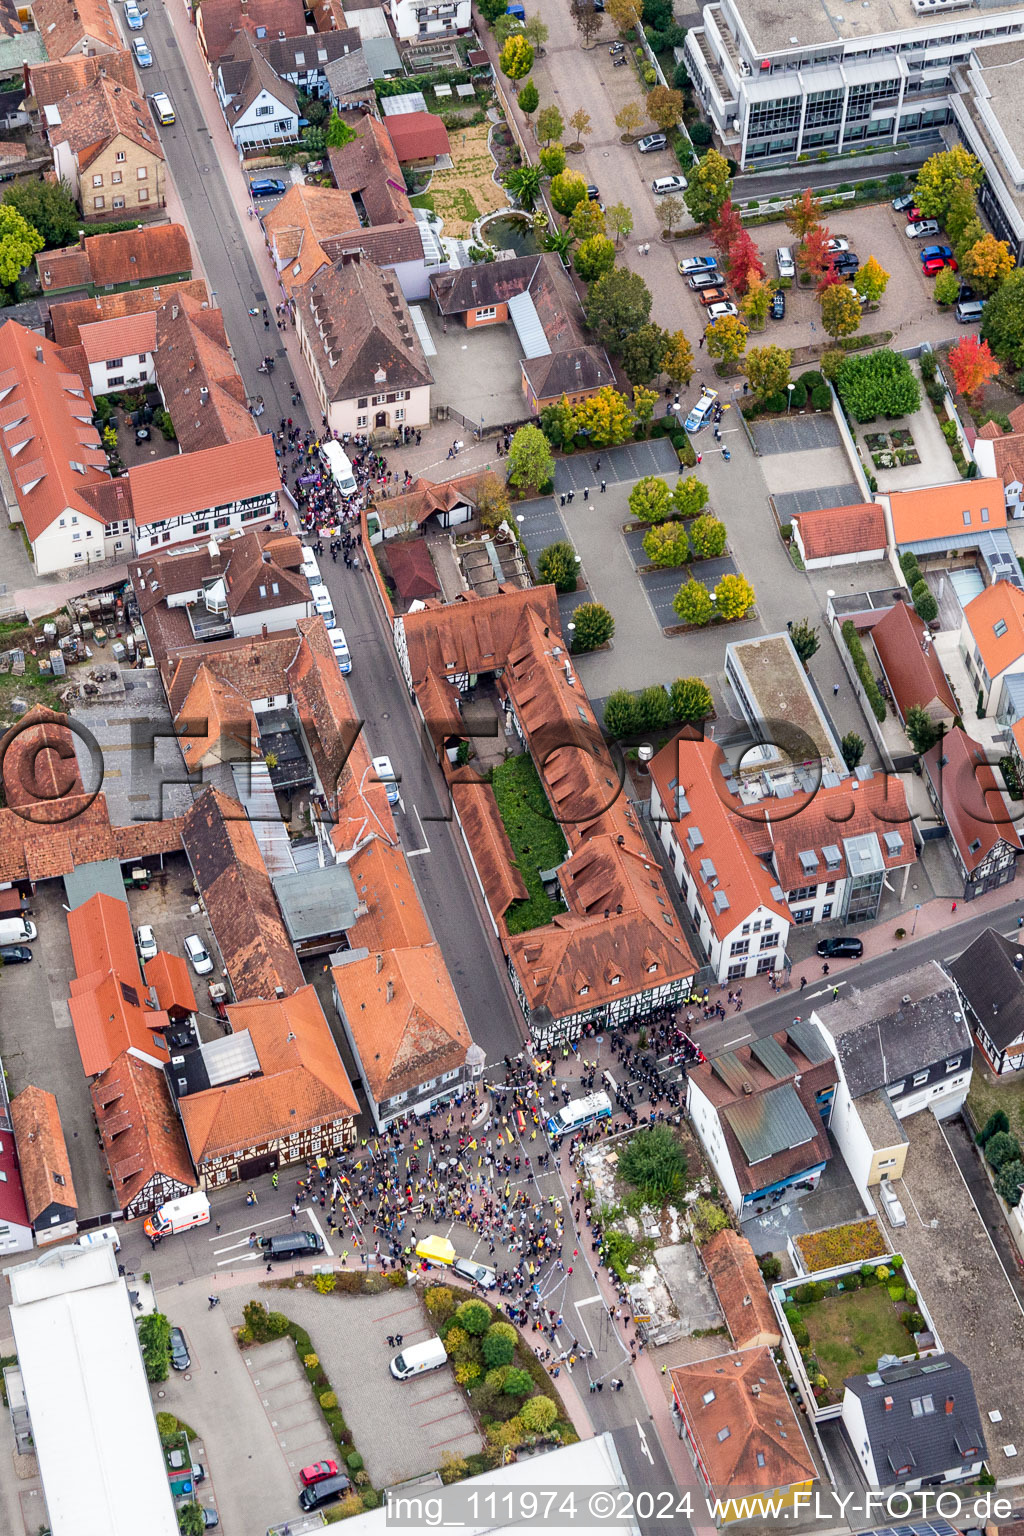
[(417, 1358), (323, 603), (309, 567), (342, 654), (339, 464), (107, 1235), (17, 930), (969, 310)]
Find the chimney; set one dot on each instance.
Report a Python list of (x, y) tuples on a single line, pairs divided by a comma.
[(39, 354), (264, 627), (174, 311), (380, 964), (949, 1403), (1018, 961), (887, 1404), (389, 997)]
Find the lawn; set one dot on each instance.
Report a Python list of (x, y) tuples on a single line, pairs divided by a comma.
[(987, 1095), (460, 195), (535, 836), (850, 1332)]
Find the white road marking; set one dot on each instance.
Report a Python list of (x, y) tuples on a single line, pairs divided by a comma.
[(219, 1236), (412, 853), (644, 1447), (728, 1044), (317, 1227)]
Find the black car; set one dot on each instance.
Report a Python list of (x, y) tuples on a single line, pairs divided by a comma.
[(778, 310), (904, 201), (14, 954), (840, 949), (593, 193), (967, 293), (180, 1357), (847, 264)]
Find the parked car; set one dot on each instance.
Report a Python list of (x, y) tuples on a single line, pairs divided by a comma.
[(479, 1274), (15, 954), (840, 949), (211, 1519), (386, 774), (718, 311), (778, 309), (919, 228), (700, 414), (837, 244), (266, 186), (903, 202), (713, 296), (180, 1361), (143, 57), (928, 252), (935, 264), (969, 310), (697, 264), (709, 279), (593, 192), (662, 185), (651, 143), (147, 943), (784, 261), (162, 108), (133, 16), (198, 955), (317, 1472), (847, 264)]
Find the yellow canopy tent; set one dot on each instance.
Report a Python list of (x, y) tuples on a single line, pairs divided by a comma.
[(436, 1250)]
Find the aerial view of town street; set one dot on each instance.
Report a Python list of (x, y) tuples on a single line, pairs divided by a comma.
[(512, 767)]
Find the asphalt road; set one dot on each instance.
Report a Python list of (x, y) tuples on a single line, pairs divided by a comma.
[(736, 1029)]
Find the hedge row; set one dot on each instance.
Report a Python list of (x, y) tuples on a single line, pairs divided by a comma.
[(860, 662)]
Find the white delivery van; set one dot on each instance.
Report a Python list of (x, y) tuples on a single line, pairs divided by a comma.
[(339, 464), (178, 1215), (17, 930), (417, 1358), (310, 567), (342, 654), (102, 1235)]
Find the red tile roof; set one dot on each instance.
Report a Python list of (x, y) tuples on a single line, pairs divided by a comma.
[(41, 778), (368, 165), (132, 336), (140, 1133), (69, 316), (413, 570), (43, 1153), (217, 22), (841, 530), (139, 255), (85, 26), (109, 1001), (732, 1266), (51, 82), (302, 1082), (169, 977), (743, 1394), (202, 388), (969, 798), (914, 673), (205, 479), (103, 112), (356, 322), (13, 1210), (996, 620), (969, 506), (493, 855), (417, 135), (473, 634), (63, 269), (45, 427), (800, 823)]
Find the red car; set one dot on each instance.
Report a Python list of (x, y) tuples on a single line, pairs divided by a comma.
[(935, 264), (317, 1472)]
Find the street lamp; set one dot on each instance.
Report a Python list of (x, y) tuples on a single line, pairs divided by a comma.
[(789, 392)]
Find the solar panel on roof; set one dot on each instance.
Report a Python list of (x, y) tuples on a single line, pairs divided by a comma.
[(773, 1058)]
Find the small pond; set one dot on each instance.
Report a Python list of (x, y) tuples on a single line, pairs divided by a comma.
[(511, 232)]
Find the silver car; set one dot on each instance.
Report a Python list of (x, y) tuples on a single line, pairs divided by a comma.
[(479, 1274)]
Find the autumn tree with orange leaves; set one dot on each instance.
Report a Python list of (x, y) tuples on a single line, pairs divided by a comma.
[(744, 262), (972, 366), (803, 214)]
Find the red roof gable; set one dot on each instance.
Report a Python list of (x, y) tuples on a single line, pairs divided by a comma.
[(417, 135)]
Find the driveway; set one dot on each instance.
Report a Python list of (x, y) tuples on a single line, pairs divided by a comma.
[(793, 434), (629, 462), (402, 1428)]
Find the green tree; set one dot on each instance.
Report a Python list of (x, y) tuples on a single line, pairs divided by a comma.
[(926, 607), (961, 212), (474, 1317), (49, 207), (536, 34), (973, 232), (538, 1414), (667, 545), (677, 363), (642, 353), (939, 178), (1010, 1181), (594, 627), (529, 99), (767, 368), (552, 160), (549, 124), (190, 1519), (604, 418), (805, 640), (588, 21), (594, 257), (922, 732), (664, 107), (670, 211), (655, 708), (877, 384), (708, 188), (523, 181), (567, 189), (625, 14), (530, 461), (997, 1121), (1002, 324), (756, 302), (689, 496), (947, 288), (707, 1218), (620, 221), (650, 500), (338, 132), (691, 700), (726, 339), (872, 280), (617, 304), (580, 119), (630, 119), (499, 1345), (654, 1163), (19, 242), (644, 401), (852, 748), (692, 603), (707, 535), (735, 596), (155, 1341), (1002, 1149), (490, 10), (517, 1383), (516, 57), (557, 564), (840, 311), (587, 220), (622, 714)]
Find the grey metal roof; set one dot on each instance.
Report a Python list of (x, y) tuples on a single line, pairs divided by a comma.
[(930, 1438), (992, 986), (523, 314), (993, 545), (228, 1059), (731, 1071), (382, 57), (809, 1041), (1013, 686), (89, 879), (770, 1122), (316, 902), (773, 1058), (863, 855)]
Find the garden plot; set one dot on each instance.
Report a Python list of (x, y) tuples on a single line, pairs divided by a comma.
[(462, 193)]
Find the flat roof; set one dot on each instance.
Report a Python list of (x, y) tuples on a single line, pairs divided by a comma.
[(781, 691), (85, 880), (92, 1418), (317, 901), (774, 28)]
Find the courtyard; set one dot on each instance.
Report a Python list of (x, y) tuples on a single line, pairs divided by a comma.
[(850, 1333), (476, 372)]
